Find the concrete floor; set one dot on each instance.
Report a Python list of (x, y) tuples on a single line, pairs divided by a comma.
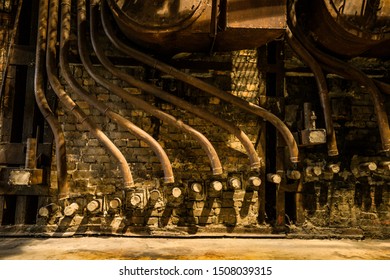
[(100, 248)]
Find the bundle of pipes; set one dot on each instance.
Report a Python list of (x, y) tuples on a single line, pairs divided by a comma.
[(47, 46), (197, 83), (318, 60)]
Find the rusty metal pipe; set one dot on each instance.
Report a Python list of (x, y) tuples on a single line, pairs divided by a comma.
[(344, 69), (230, 127), (322, 90), (101, 107), (383, 87), (247, 106), (341, 68), (135, 101), (39, 91), (70, 104)]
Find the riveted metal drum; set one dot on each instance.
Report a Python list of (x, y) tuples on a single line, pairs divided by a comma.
[(349, 27), (199, 25)]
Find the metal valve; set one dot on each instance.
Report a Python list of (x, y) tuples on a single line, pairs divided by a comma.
[(176, 192), (293, 174), (115, 203), (255, 181), (334, 168), (368, 166), (235, 183), (93, 206), (274, 178), (197, 187), (70, 210), (217, 185), (135, 200)]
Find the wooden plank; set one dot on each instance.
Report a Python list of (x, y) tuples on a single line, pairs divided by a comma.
[(20, 211), (14, 153), (1, 209)]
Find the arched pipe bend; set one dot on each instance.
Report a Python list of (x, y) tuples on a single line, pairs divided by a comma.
[(59, 138), (70, 104), (230, 127), (247, 106), (84, 94), (135, 101), (322, 90), (342, 68)]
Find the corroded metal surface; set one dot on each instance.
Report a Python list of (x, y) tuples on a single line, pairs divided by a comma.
[(161, 14), (194, 25), (349, 27)]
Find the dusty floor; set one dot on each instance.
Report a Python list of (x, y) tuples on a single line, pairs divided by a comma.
[(100, 248)]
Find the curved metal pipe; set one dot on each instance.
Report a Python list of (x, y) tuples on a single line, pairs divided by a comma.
[(322, 90), (382, 86), (70, 104), (39, 91), (247, 106), (339, 67), (84, 94), (233, 129), (202, 140)]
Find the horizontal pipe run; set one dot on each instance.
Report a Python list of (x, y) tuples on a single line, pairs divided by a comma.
[(101, 107), (233, 129), (247, 106), (40, 98), (70, 104), (135, 101)]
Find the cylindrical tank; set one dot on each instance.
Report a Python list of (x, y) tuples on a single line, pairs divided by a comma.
[(155, 24), (172, 26), (349, 27)]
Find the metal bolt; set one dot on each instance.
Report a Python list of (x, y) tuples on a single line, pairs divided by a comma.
[(334, 168), (196, 187), (274, 178), (235, 183), (317, 170), (313, 171), (255, 181), (217, 185), (93, 206), (43, 212), (154, 195), (368, 166), (294, 174), (176, 192), (70, 210), (115, 203), (135, 200)]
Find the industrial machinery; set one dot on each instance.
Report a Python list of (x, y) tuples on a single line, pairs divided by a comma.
[(230, 116)]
